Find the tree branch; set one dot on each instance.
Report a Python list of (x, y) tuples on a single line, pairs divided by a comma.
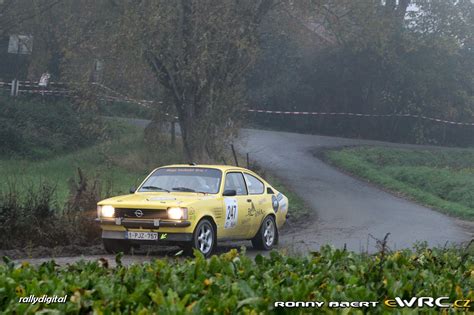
[(165, 78)]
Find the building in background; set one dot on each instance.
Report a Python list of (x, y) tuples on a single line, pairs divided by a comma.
[(15, 55)]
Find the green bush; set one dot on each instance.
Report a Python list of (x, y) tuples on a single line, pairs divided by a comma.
[(36, 128), (233, 283)]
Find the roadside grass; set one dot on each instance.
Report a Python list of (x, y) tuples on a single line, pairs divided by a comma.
[(124, 109), (117, 163), (441, 179)]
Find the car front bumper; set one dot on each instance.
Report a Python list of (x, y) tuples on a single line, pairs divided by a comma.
[(144, 224)]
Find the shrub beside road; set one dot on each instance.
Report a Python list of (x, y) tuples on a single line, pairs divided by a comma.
[(442, 179)]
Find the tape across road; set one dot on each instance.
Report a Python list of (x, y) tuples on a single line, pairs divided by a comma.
[(359, 115), (120, 97)]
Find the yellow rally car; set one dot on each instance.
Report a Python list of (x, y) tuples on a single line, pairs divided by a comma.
[(194, 207)]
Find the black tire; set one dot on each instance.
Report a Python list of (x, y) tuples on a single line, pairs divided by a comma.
[(204, 244), (112, 246), (263, 240)]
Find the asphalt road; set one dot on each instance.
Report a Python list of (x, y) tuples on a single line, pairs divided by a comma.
[(347, 211)]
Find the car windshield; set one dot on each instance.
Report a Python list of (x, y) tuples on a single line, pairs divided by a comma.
[(184, 179)]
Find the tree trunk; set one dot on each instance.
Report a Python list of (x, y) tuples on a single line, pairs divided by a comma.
[(193, 140)]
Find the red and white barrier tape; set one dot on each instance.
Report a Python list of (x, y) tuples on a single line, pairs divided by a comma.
[(146, 103), (35, 83), (116, 99), (359, 115), (46, 91), (123, 96)]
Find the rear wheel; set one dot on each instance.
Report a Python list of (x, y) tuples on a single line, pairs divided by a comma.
[(112, 246), (204, 239), (267, 235)]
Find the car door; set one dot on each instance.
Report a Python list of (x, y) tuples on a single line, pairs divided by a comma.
[(235, 207), (259, 202)]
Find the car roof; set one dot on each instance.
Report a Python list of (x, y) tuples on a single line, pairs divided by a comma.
[(216, 166)]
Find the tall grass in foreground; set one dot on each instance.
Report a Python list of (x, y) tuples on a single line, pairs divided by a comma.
[(35, 218)]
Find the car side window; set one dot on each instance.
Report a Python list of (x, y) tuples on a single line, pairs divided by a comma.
[(254, 185), (235, 181)]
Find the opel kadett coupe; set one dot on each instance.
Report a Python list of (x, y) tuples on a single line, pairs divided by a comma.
[(194, 206)]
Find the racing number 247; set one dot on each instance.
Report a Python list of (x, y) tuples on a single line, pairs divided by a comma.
[(231, 211)]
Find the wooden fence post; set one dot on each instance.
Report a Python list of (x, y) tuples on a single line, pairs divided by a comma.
[(15, 86), (235, 155)]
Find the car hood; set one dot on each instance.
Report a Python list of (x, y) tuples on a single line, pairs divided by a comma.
[(155, 200)]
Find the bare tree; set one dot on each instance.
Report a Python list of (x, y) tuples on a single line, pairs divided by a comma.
[(199, 52)]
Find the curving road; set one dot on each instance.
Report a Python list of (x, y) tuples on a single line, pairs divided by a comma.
[(347, 210)]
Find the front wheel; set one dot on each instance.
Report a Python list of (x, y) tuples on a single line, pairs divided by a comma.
[(112, 246), (204, 238), (267, 235)]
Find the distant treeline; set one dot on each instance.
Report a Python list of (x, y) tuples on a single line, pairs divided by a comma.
[(383, 58)]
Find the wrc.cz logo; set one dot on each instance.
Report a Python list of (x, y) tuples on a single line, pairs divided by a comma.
[(425, 301)]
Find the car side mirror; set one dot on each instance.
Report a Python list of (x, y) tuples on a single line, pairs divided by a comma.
[(133, 189), (229, 192)]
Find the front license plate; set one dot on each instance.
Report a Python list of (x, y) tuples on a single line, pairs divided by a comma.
[(148, 236)]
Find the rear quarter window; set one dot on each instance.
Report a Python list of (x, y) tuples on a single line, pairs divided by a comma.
[(254, 185)]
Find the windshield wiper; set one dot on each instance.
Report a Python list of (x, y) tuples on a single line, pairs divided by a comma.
[(183, 189), (186, 189), (155, 188)]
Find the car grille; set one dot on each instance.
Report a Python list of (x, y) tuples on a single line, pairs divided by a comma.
[(145, 213)]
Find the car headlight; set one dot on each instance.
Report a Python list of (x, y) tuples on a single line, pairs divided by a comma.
[(107, 211), (177, 213)]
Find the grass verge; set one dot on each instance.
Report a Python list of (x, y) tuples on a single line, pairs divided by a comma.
[(441, 179), (234, 284), (119, 164)]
